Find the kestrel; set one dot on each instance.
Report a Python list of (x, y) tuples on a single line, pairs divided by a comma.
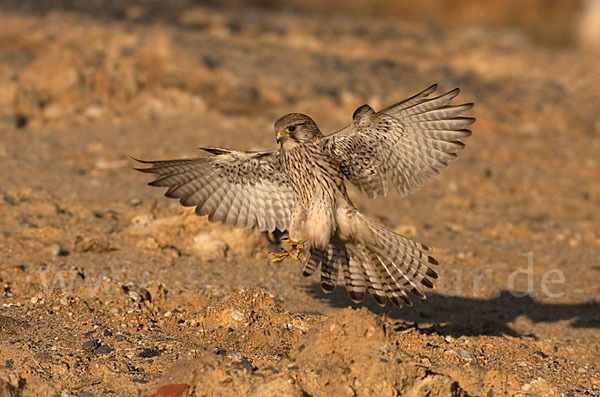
[(300, 187)]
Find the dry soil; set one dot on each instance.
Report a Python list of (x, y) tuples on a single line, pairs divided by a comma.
[(108, 288)]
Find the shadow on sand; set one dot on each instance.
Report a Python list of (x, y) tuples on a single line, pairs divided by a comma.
[(457, 316)]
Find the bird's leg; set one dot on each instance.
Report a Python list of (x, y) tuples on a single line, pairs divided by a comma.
[(293, 252)]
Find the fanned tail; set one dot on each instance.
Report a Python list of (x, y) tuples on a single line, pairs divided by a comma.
[(386, 264)]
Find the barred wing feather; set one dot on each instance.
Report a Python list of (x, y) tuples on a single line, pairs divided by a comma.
[(242, 189), (410, 141)]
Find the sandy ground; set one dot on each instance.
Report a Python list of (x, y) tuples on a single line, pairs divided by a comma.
[(108, 288)]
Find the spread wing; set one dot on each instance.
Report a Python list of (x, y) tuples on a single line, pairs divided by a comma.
[(243, 189), (410, 141)]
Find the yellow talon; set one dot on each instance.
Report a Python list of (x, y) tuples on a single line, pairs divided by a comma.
[(279, 256), (295, 246)]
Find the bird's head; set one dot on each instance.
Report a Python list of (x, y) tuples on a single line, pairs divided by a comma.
[(296, 127)]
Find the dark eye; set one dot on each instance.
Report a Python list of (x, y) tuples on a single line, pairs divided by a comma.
[(291, 128)]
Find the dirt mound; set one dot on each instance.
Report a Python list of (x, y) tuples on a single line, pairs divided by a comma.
[(349, 354), (346, 355), (12, 385)]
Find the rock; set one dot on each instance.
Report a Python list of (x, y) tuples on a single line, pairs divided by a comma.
[(209, 247), (453, 227), (134, 296), (136, 293), (463, 355), (241, 362), (148, 243), (91, 244), (539, 388), (174, 390), (148, 353), (280, 386), (436, 385), (93, 112), (467, 356), (142, 221), (407, 230), (102, 349), (134, 202), (57, 250), (237, 315), (90, 344)]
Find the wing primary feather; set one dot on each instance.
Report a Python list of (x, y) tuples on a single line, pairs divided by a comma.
[(251, 184), (215, 150), (413, 100)]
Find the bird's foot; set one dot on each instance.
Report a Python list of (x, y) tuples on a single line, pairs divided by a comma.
[(293, 252), (279, 256), (296, 246)]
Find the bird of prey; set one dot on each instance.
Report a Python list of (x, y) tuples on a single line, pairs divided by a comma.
[(300, 187)]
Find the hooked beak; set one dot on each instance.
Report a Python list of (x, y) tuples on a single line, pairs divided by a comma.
[(280, 135)]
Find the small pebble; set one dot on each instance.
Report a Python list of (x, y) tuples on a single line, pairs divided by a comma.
[(464, 355), (90, 344), (237, 315), (56, 249), (102, 349), (241, 362), (467, 356), (134, 296), (135, 202), (148, 353)]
